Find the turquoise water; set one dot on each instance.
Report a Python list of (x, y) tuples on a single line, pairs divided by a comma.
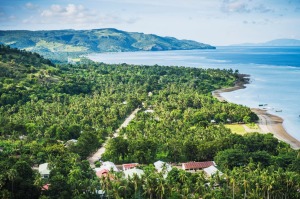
[(274, 71)]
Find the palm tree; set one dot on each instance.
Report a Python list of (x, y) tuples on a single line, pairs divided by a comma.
[(149, 185), (161, 186), (11, 175), (200, 184)]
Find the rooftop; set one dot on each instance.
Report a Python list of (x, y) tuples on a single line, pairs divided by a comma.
[(197, 165)]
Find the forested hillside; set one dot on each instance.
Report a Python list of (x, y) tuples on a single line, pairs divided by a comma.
[(43, 105), (58, 45)]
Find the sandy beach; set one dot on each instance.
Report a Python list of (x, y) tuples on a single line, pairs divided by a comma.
[(267, 123)]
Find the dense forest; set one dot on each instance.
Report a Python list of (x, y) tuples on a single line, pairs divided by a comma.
[(43, 105)]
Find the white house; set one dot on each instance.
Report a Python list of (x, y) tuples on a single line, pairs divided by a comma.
[(129, 173), (44, 170), (109, 165), (212, 170), (160, 165)]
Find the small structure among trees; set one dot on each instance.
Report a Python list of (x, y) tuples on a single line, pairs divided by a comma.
[(44, 170), (197, 165), (129, 166)]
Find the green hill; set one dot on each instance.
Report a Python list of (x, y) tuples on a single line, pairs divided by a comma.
[(44, 106), (60, 44)]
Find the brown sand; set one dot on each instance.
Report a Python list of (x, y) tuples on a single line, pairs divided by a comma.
[(268, 123)]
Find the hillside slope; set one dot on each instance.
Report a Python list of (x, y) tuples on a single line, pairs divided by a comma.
[(75, 42)]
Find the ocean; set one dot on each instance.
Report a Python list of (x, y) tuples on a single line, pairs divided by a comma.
[(274, 74)]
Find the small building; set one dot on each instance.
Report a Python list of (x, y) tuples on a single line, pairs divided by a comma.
[(130, 173), (71, 142), (102, 173), (149, 111), (129, 166), (160, 166), (44, 170), (197, 165), (212, 170), (45, 187), (109, 165)]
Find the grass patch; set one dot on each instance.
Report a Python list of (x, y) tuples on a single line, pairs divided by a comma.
[(236, 128), (59, 47), (252, 126)]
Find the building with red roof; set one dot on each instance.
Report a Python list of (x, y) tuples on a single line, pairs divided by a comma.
[(45, 187), (197, 165), (102, 172), (129, 166)]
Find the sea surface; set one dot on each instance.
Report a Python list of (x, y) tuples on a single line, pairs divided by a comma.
[(274, 74)]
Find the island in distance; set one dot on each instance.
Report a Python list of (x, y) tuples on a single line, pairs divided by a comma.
[(275, 42), (59, 44)]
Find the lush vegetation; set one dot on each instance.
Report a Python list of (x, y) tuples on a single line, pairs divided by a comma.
[(60, 44), (42, 106)]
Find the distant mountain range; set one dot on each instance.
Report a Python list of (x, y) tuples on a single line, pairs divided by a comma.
[(276, 42), (59, 44)]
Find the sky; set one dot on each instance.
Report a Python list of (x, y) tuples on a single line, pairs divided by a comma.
[(215, 22)]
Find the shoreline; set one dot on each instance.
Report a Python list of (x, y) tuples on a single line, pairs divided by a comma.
[(267, 122)]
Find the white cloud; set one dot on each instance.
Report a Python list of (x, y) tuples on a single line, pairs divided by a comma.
[(78, 16), (31, 6), (262, 9), (244, 6), (231, 6), (71, 10)]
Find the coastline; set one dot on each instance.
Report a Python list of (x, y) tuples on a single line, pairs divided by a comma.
[(267, 122)]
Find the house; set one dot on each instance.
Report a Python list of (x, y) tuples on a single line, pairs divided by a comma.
[(45, 187), (109, 165), (212, 170), (71, 142), (149, 111), (102, 173), (197, 165), (160, 166), (129, 166), (44, 170), (130, 173)]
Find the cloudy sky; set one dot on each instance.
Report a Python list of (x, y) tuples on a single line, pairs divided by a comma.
[(217, 22)]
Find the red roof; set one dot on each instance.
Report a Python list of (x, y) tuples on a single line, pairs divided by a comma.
[(102, 172), (197, 165), (45, 187), (129, 166)]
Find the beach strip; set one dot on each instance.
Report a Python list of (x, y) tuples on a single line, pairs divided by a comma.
[(267, 122)]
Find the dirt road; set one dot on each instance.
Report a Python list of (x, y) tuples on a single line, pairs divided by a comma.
[(96, 156)]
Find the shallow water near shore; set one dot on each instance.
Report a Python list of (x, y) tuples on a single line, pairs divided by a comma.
[(274, 74)]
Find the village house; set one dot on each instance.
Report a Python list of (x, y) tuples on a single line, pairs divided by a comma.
[(44, 170), (109, 165), (162, 166), (130, 173), (129, 166), (212, 170), (194, 166)]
